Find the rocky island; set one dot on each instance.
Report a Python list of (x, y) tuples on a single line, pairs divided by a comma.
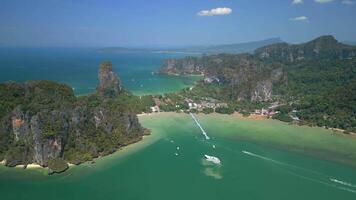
[(43, 122)]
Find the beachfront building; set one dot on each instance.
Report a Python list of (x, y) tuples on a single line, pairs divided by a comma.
[(154, 109)]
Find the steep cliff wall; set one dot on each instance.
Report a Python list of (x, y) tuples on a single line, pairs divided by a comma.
[(246, 77), (43, 122), (253, 76)]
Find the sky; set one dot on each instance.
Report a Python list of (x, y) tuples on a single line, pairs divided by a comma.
[(143, 23)]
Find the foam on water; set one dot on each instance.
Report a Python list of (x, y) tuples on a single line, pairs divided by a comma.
[(342, 182), (201, 128), (322, 176)]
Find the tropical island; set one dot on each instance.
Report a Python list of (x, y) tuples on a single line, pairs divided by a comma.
[(44, 123)]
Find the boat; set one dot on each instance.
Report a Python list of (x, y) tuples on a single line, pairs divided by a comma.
[(213, 159)]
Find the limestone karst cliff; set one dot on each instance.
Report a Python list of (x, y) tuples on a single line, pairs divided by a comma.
[(254, 76), (43, 122), (246, 77), (109, 85)]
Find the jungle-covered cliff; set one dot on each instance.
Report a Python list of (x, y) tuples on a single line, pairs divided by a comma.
[(43, 122), (242, 76), (315, 79)]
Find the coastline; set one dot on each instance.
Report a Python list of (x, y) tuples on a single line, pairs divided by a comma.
[(258, 117), (142, 168), (234, 116), (317, 142), (35, 166)]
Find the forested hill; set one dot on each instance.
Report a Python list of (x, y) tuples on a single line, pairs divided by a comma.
[(43, 122), (324, 47), (316, 78)]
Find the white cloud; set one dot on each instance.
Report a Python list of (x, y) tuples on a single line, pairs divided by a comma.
[(215, 11), (297, 2), (348, 2), (323, 1), (300, 18)]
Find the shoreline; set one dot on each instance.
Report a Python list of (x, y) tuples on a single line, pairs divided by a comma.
[(236, 115), (257, 117), (34, 166), (317, 142)]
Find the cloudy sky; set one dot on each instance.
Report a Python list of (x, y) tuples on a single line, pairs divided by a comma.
[(171, 22)]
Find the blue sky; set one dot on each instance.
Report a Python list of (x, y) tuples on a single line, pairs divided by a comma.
[(171, 22)]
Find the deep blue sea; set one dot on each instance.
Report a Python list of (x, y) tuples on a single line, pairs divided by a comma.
[(78, 68)]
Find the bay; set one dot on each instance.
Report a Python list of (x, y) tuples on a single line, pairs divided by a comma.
[(78, 67), (169, 164)]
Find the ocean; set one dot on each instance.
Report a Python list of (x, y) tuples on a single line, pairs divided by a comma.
[(170, 164), (78, 67), (260, 159)]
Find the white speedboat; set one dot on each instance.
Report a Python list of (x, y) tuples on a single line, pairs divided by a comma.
[(213, 159)]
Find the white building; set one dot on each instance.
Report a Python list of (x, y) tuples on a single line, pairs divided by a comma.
[(154, 109)]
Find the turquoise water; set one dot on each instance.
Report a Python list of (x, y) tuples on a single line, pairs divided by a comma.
[(254, 166), (78, 67), (155, 169)]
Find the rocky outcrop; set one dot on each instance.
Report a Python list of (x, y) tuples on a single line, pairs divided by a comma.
[(109, 83), (262, 91), (50, 128), (244, 76), (20, 125), (189, 65)]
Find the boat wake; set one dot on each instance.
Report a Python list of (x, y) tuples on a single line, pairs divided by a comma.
[(201, 128), (264, 158), (342, 182), (346, 186)]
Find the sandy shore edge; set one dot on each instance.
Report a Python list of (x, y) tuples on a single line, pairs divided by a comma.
[(71, 165)]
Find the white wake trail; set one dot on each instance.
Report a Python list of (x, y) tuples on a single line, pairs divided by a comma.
[(342, 182), (201, 128), (308, 178)]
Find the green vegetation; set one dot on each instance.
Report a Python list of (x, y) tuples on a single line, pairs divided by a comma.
[(315, 79), (43, 122), (208, 110), (57, 165), (323, 92), (34, 96), (224, 110), (284, 117)]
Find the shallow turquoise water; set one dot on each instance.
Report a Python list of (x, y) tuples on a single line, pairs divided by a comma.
[(153, 171), (78, 67)]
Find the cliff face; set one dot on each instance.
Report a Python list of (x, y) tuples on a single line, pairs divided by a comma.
[(253, 76), (110, 85), (246, 77), (189, 65), (43, 122), (323, 47)]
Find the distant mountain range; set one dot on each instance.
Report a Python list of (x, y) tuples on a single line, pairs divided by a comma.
[(211, 49)]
